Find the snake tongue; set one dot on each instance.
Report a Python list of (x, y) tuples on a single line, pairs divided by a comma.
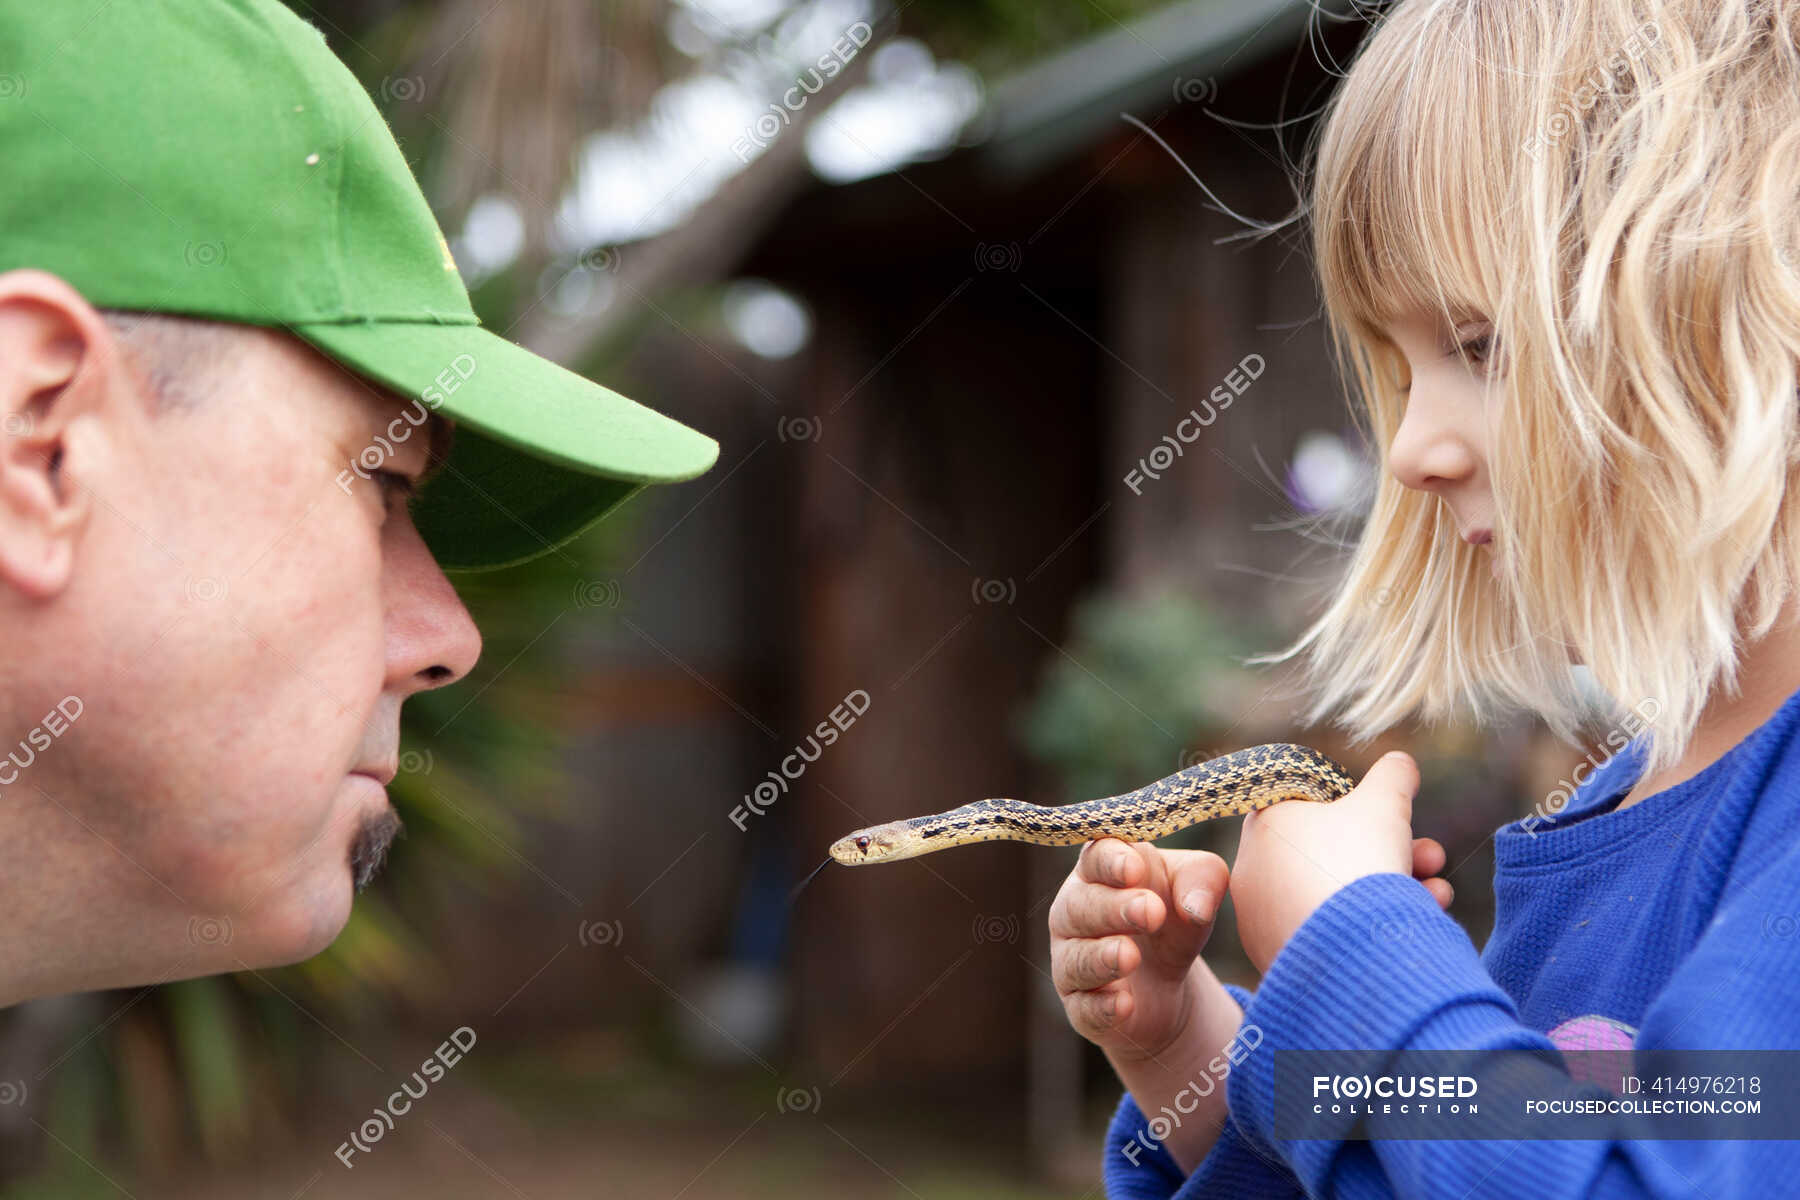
[(801, 886)]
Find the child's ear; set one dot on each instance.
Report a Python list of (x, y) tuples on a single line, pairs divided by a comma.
[(56, 358)]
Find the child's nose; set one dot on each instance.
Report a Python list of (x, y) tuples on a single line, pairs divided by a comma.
[(1429, 453)]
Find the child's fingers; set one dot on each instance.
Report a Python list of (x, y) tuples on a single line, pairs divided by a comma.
[(1429, 857), (1082, 964), (1093, 1013), (1089, 910), (1440, 890), (1197, 878), (1112, 862)]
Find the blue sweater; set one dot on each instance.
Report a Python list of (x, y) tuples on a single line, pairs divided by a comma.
[(1672, 923)]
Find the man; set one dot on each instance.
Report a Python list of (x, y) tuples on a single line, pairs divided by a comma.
[(215, 592)]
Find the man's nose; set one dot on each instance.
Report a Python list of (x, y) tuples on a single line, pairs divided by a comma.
[(431, 639), (1429, 452)]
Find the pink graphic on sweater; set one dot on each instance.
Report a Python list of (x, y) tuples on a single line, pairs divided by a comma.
[(1591, 1031)]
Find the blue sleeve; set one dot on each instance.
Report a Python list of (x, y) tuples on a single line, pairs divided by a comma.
[(1380, 966), (1138, 1167)]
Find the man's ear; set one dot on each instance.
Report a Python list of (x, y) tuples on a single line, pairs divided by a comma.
[(57, 361)]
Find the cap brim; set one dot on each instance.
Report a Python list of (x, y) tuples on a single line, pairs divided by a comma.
[(541, 453)]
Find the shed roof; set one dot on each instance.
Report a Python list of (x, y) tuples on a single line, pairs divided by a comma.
[(1065, 101)]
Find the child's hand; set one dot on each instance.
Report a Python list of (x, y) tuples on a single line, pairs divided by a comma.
[(1294, 855), (1126, 932)]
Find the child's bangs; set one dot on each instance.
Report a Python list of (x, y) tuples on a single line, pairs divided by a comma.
[(1406, 209)]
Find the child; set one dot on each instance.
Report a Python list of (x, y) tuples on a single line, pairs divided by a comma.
[(1557, 243)]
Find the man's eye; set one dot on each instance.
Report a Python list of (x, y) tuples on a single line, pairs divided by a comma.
[(395, 484)]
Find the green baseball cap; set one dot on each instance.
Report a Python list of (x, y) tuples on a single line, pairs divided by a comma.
[(213, 158)]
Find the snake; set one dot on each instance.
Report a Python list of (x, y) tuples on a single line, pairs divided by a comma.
[(1228, 786)]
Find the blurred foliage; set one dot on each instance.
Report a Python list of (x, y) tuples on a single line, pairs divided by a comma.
[(998, 36), (1145, 681), (504, 81)]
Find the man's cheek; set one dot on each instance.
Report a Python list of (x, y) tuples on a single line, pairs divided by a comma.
[(324, 595), (226, 863)]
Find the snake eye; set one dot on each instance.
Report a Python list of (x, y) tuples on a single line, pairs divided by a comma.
[(862, 844)]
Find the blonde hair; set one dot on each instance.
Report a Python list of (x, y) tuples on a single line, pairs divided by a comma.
[(1613, 185)]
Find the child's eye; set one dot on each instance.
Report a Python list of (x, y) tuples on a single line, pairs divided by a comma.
[(1477, 348)]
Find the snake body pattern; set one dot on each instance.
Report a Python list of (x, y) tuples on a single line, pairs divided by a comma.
[(1228, 786)]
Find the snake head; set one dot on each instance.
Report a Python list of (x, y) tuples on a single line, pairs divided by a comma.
[(879, 843), (853, 849)]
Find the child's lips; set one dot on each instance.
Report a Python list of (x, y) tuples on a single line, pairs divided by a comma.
[(1485, 537)]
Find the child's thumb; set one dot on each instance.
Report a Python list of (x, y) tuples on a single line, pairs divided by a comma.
[(1393, 780)]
